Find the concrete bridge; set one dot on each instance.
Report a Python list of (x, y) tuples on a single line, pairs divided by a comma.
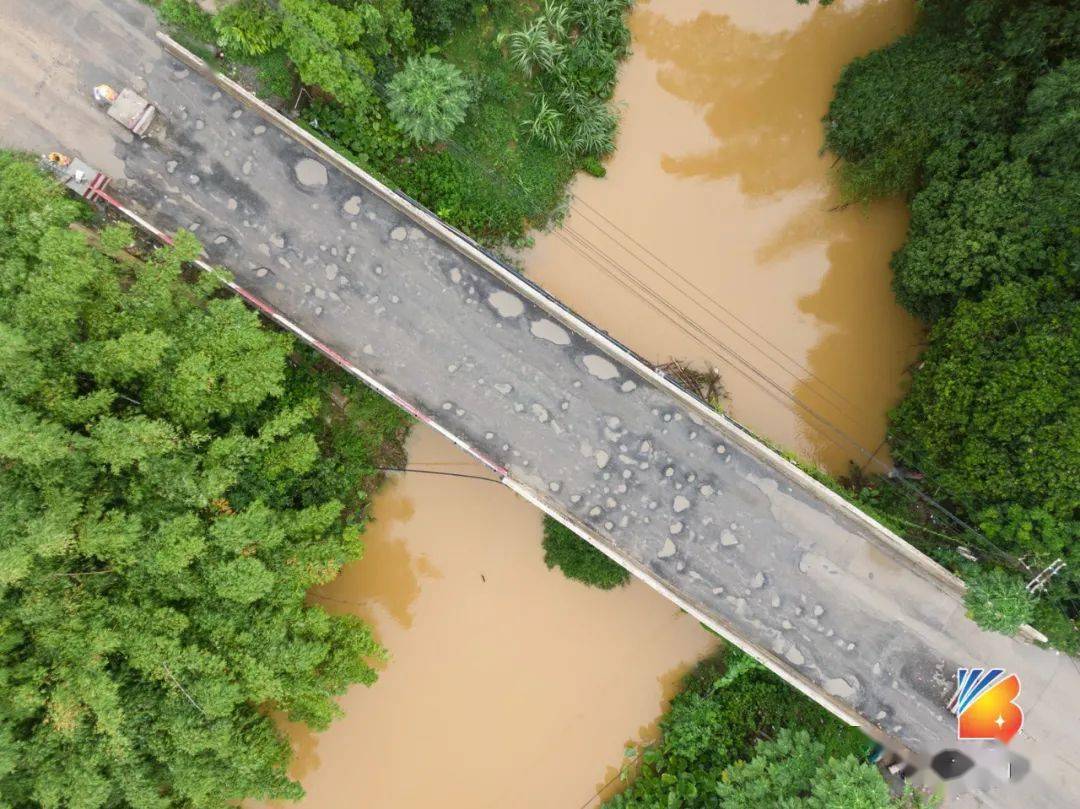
[(831, 601)]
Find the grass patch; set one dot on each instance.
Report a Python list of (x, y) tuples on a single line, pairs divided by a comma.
[(532, 177)]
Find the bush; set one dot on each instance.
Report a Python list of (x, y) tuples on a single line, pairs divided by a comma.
[(967, 235), (710, 736), (997, 601), (275, 74), (187, 18), (793, 771), (338, 46), (1053, 621), (546, 125), (428, 99), (592, 134), (578, 559), (993, 415), (963, 74), (435, 20), (973, 115), (493, 184), (458, 187), (572, 50), (603, 21), (1050, 134), (248, 28), (533, 47), (592, 166)]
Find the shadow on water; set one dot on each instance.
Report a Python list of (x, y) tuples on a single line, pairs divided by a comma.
[(388, 577)]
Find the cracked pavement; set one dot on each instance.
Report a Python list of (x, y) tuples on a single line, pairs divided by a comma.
[(687, 503)]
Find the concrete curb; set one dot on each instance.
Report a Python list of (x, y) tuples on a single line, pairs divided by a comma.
[(766, 659), (887, 540)]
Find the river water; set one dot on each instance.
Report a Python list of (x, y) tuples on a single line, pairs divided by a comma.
[(713, 237), (507, 684)]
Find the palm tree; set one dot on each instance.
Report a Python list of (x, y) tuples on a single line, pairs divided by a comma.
[(547, 124), (428, 99), (532, 47)]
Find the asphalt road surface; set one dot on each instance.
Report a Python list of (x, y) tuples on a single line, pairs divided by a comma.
[(696, 510)]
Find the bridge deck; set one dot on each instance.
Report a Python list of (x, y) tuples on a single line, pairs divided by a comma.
[(690, 505)]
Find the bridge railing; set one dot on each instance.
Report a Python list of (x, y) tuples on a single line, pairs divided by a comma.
[(484, 259)]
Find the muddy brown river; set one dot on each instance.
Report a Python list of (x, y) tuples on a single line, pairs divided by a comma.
[(713, 239), (507, 684)]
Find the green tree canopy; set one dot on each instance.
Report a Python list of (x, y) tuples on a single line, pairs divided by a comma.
[(998, 602), (172, 487), (339, 46), (434, 20), (969, 234), (962, 75), (250, 27), (794, 772), (993, 415), (974, 116), (729, 741), (1050, 132), (578, 559), (428, 98)]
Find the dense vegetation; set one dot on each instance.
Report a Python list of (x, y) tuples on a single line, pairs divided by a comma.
[(482, 111), (973, 116), (176, 476), (737, 736), (578, 559), (998, 601)]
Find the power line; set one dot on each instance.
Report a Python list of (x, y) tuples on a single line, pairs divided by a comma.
[(704, 294), (501, 180), (434, 472), (614, 273), (584, 244), (644, 291)]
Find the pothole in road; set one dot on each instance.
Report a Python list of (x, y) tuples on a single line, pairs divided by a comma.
[(310, 172)]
